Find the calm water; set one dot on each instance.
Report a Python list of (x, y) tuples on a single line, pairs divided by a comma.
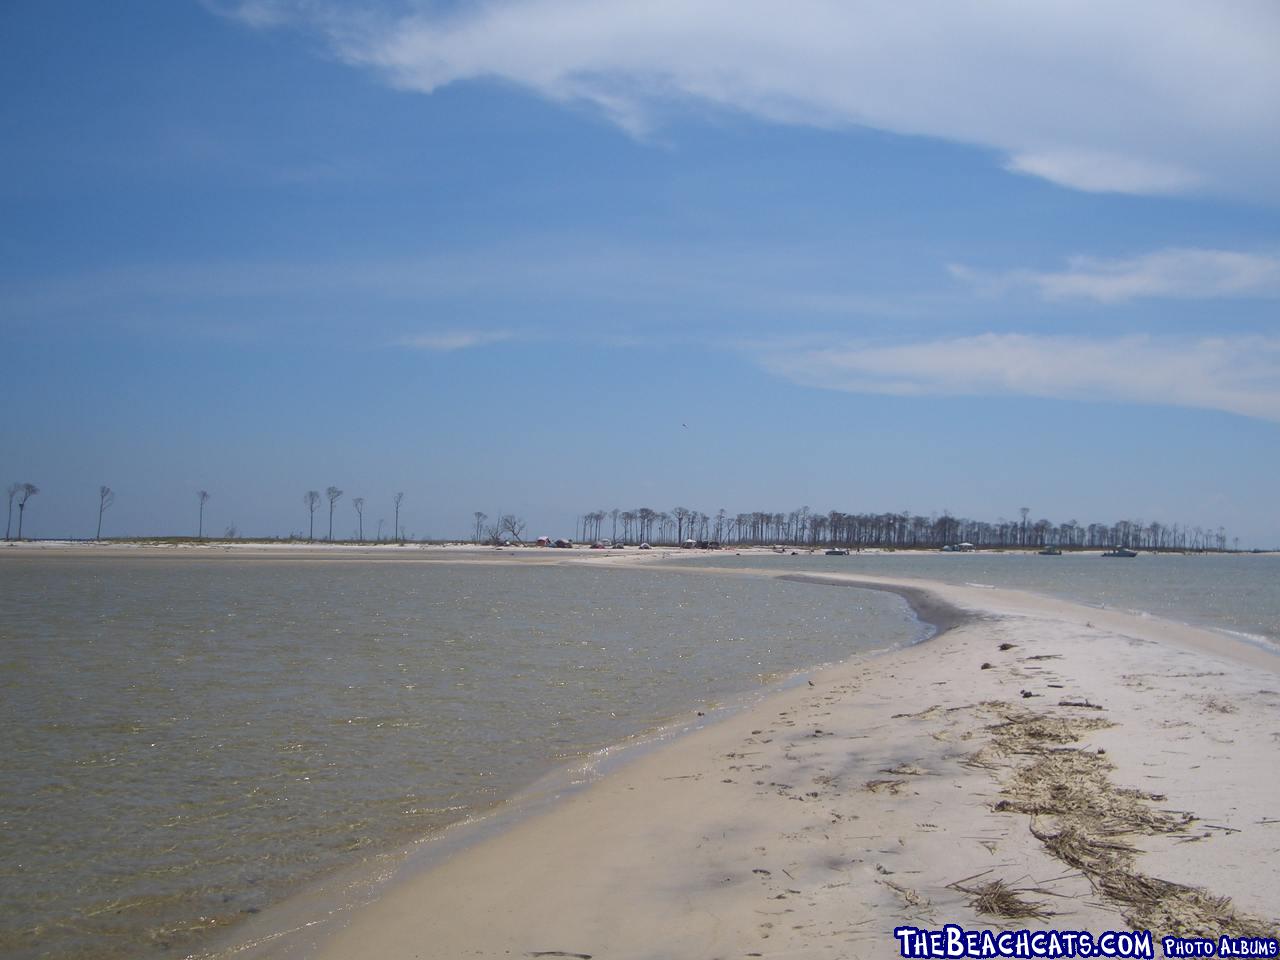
[(1239, 594), (187, 742)]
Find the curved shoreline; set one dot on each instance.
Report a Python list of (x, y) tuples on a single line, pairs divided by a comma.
[(927, 605), (298, 924), (551, 882)]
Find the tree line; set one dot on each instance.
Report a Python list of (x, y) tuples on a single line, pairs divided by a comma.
[(805, 527), (802, 527)]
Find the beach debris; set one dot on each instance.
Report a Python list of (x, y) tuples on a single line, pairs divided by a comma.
[(1086, 820), (889, 786), (910, 897), (1027, 693), (1007, 646), (1081, 703), (560, 953), (905, 769), (985, 666), (1219, 706), (996, 898), (931, 711)]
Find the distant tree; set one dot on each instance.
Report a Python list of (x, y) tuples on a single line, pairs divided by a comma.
[(493, 532), (106, 497), (311, 500), (613, 515), (334, 495), (358, 503), (513, 526), (480, 518), (1023, 536), (231, 532), (203, 497), (681, 514), (646, 516), (397, 500), (25, 492), (14, 489)]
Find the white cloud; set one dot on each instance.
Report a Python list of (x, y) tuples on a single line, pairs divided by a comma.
[(254, 13), (1238, 375), (449, 340), (1139, 97), (1174, 273), (1097, 172)]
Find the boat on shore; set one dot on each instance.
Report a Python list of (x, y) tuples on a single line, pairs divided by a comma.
[(1120, 552), (1051, 552), (835, 552)]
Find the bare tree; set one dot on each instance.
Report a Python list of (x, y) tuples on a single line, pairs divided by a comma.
[(480, 518), (311, 500), (514, 526), (203, 497), (25, 492), (681, 514), (334, 495), (358, 503), (14, 490), (397, 500), (106, 497)]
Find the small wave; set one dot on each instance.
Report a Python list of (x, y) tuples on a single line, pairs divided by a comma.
[(1255, 638)]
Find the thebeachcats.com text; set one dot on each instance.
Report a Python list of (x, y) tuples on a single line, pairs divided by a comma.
[(955, 941)]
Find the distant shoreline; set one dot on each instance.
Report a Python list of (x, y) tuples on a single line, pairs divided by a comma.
[(456, 550)]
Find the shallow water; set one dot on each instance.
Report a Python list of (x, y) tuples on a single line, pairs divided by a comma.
[(189, 741), (1238, 594)]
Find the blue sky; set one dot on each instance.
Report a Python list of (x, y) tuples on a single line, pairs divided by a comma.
[(961, 256)]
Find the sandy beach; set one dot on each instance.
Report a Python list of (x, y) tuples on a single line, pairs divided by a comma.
[(1038, 765)]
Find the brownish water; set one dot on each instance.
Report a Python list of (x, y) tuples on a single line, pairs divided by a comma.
[(189, 741)]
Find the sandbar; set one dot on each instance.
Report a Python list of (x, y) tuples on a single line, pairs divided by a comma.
[(1037, 764)]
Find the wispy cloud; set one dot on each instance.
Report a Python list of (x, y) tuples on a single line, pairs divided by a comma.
[(1234, 374), (1136, 97), (257, 13), (446, 341), (1180, 273)]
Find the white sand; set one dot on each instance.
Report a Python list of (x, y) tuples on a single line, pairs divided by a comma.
[(767, 834)]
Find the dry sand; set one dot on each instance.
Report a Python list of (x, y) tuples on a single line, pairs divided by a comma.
[(1040, 764)]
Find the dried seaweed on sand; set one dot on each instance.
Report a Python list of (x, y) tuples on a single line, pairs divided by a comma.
[(996, 898), (1082, 819)]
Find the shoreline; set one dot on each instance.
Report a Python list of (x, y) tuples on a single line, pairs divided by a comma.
[(459, 550), (628, 865)]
